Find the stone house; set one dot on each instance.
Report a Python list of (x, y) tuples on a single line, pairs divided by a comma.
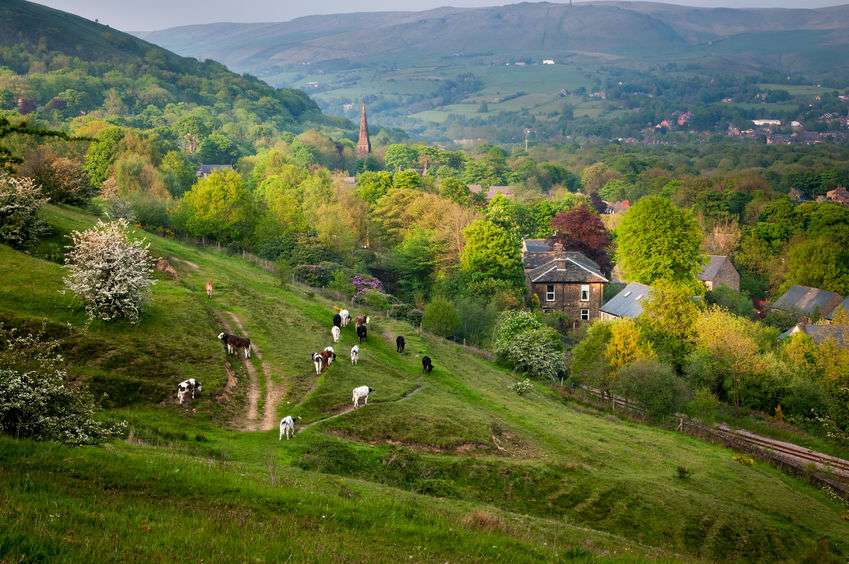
[(804, 301), (564, 281), (719, 271)]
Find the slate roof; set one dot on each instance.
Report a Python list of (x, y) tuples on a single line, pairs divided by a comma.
[(808, 301), (821, 333), (712, 268), (536, 245), (571, 266), (844, 304), (628, 302)]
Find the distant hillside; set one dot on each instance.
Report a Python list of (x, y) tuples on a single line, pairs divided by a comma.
[(66, 63), (527, 29)]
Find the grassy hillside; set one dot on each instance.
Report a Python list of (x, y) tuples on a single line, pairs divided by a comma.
[(451, 466), (65, 65)]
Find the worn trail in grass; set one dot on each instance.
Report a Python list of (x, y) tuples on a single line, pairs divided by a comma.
[(456, 444)]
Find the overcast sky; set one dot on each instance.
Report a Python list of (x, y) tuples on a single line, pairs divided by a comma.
[(147, 15)]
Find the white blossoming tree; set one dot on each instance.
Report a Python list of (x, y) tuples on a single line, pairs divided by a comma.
[(110, 271), (20, 200)]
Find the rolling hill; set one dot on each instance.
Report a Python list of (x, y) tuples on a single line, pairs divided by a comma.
[(627, 29), (402, 63), (452, 466), (67, 52)]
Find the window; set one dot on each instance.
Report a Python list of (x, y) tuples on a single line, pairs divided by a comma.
[(549, 293), (585, 292), (585, 315)]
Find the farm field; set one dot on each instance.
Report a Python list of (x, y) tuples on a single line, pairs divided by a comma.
[(452, 466)]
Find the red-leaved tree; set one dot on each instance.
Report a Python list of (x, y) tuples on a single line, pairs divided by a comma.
[(579, 229)]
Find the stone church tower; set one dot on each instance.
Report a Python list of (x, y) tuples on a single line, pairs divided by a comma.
[(364, 143)]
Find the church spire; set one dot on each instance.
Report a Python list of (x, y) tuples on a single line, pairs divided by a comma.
[(364, 143)]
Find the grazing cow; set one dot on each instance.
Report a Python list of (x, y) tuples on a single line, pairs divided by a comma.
[(190, 386), (209, 289), (287, 427), (362, 332), (400, 343), (355, 354), (346, 317), (318, 360), (361, 393), (337, 320), (332, 355), (361, 320), (235, 343), (327, 357), (336, 333), (427, 365)]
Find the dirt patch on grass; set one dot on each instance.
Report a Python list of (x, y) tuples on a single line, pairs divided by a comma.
[(485, 521)]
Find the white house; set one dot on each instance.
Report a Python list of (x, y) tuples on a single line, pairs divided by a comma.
[(548, 62)]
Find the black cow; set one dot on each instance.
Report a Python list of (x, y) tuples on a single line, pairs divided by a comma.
[(427, 365), (400, 343), (362, 332), (337, 320)]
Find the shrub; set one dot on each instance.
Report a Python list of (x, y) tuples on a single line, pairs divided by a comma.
[(316, 275), (109, 271), (537, 353), (373, 298), (738, 303), (36, 400), (683, 473), (341, 282), (522, 387), (703, 407), (510, 324), (441, 317), (20, 200), (63, 180), (654, 386)]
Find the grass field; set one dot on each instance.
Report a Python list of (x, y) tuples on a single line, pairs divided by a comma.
[(452, 466)]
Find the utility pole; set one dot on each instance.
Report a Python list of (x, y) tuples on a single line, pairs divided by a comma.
[(528, 131)]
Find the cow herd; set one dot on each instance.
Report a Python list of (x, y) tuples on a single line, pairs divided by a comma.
[(321, 361)]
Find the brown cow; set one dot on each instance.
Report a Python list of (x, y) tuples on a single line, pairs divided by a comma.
[(209, 289)]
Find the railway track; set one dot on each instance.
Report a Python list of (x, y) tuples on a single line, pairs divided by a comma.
[(793, 455)]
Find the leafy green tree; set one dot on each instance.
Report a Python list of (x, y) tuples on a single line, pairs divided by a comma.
[(371, 186), (669, 314), (657, 240), (400, 157), (102, 153), (178, 172), (820, 262), (218, 206), (414, 260), (441, 318), (455, 190), (407, 179), (731, 300), (589, 357), (654, 386), (491, 252), (218, 148)]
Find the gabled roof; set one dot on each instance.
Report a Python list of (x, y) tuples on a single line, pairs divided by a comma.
[(712, 268), (808, 301), (628, 302), (571, 266), (536, 246), (844, 304), (821, 333)]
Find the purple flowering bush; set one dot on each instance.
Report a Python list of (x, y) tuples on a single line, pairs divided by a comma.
[(363, 284)]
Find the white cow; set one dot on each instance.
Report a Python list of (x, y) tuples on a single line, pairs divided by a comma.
[(287, 427), (188, 386), (355, 354), (336, 332), (318, 361), (361, 393), (346, 317)]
